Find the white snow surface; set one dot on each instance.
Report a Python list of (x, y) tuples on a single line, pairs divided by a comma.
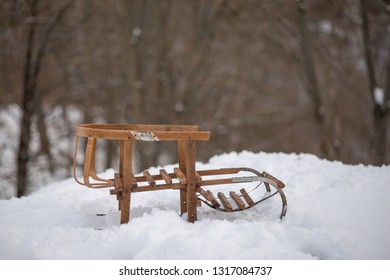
[(335, 211)]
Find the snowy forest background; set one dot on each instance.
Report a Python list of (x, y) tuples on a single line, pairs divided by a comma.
[(277, 76)]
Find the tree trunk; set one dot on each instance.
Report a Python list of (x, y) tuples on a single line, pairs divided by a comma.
[(310, 79), (367, 48), (33, 62), (29, 86), (308, 62), (43, 134), (380, 108)]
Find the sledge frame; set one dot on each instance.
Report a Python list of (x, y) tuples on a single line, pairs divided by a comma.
[(125, 182), (185, 177)]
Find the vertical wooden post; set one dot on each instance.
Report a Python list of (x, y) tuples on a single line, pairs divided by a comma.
[(191, 184), (181, 153), (127, 176), (121, 154), (122, 145)]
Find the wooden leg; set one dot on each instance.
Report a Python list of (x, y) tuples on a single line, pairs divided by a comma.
[(121, 154), (182, 165), (191, 184), (125, 206), (127, 169)]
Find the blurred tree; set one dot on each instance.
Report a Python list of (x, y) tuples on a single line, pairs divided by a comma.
[(35, 53), (379, 97), (260, 75)]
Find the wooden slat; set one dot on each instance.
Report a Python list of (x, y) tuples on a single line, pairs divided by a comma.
[(237, 200), (149, 178), (123, 132), (165, 176), (172, 186), (216, 182), (225, 202), (213, 199), (222, 171), (276, 180), (208, 195), (247, 198), (180, 175), (146, 127)]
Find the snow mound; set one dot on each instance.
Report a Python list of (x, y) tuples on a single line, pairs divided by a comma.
[(335, 211)]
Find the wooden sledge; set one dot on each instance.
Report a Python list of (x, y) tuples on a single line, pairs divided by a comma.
[(190, 182)]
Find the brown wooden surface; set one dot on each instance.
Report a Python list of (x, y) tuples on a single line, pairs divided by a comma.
[(221, 171), (167, 178), (123, 132), (208, 195), (191, 184), (237, 200), (87, 160), (214, 200), (276, 180), (247, 198), (180, 175), (127, 180), (216, 182), (149, 178), (173, 186), (181, 157), (226, 204)]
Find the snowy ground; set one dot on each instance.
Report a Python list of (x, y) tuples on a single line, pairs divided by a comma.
[(335, 211)]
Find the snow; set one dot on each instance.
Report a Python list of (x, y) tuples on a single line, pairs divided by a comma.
[(335, 211), (379, 96)]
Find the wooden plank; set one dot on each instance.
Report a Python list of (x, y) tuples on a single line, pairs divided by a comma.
[(149, 178), (165, 176), (247, 198), (129, 164), (191, 184), (180, 175), (213, 199), (181, 157), (226, 204), (216, 182), (146, 127), (119, 132), (237, 200), (222, 171), (172, 186), (127, 180), (279, 183), (209, 196), (121, 156)]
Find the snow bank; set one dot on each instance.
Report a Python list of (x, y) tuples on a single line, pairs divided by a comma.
[(335, 211)]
